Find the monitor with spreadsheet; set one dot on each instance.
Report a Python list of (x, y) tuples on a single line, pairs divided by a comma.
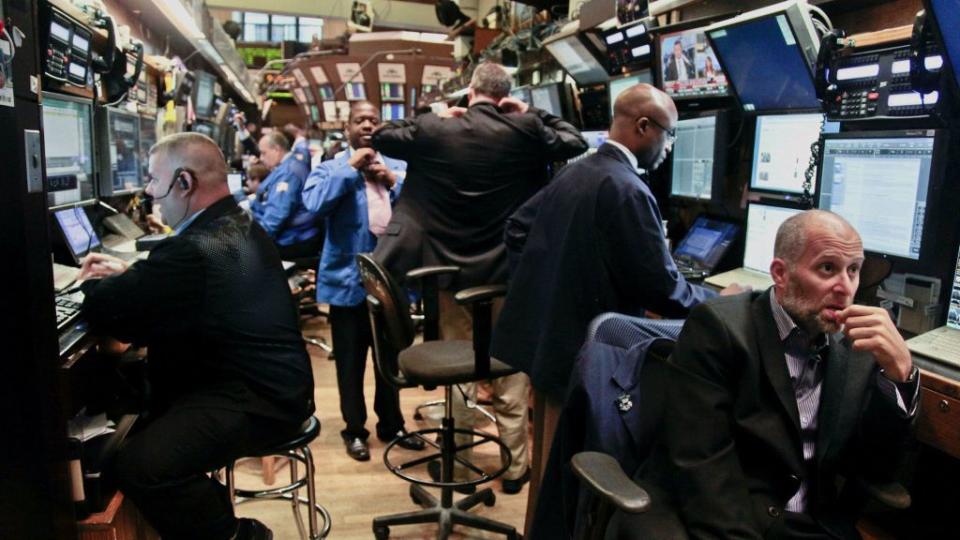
[(68, 149), (77, 231), (879, 182), (547, 98), (697, 158), (763, 220), (781, 150)]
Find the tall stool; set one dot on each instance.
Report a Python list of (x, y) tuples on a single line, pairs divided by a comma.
[(298, 450), (432, 364)]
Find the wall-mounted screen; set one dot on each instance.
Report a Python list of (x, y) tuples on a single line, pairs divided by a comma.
[(68, 149), (688, 66)]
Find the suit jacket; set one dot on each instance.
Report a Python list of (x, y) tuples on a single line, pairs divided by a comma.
[(592, 241), (465, 177), (338, 194), (731, 456), (211, 342)]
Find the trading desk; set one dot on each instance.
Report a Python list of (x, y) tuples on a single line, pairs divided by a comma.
[(938, 424)]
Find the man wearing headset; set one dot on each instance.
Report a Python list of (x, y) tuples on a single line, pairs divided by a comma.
[(223, 383)]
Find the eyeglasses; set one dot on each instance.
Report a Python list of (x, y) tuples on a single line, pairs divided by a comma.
[(671, 133)]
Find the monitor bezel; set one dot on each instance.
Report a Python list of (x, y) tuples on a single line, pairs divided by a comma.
[(799, 47), (94, 151), (791, 205), (720, 138), (789, 195), (687, 102), (934, 185)]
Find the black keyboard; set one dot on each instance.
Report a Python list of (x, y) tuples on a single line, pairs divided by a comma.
[(67, 310)]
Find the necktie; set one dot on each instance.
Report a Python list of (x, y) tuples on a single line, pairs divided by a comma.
[(378, 207)]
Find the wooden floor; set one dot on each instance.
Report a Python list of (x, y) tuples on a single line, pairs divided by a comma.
[(355, 492)]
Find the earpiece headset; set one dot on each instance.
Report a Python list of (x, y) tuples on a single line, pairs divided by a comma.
[(922, 79)]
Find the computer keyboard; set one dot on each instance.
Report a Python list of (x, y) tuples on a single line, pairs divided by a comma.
[(68, 308)]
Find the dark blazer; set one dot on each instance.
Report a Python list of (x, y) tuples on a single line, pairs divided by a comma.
[(592, 241), (731, 452), (213, 306), (465, 176)]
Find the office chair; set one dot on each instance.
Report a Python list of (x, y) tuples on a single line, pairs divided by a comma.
[(432, 364)]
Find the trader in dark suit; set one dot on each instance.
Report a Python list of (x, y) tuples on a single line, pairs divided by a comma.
[(772, 396), (592, 241), (228, 370), (467, 171)]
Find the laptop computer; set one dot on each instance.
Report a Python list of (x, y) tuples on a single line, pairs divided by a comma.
[(763, 220), (81, 238), (943, 343), (704, 245)]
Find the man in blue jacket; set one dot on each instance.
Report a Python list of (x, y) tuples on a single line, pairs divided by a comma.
[(277, 206), (353, 193)]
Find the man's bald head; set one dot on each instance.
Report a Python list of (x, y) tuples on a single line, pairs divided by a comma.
[(642, 115), (196, 152), (792, 235)]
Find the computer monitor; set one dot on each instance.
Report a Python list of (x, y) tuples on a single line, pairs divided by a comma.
[(946, 13), (548, 98), (576, 58), (235, 181), (203, 94), (326, 92), (782, 150), (706, 242), (356, 91), (768, 55), (77, 231), (148, 138), (595, 139), (697, 160), (617, 86), (879, 182), (391, 92), (953, 314), (392, 111), (118, 138), (763, 220), (68, 149), (522, 93), (689, 69)]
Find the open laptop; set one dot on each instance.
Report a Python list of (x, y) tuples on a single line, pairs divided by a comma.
[(763, 220), (81, 238), (704, 245), (943, 343)]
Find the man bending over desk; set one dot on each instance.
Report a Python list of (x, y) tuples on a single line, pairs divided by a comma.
[(228, 370), (774, 395)]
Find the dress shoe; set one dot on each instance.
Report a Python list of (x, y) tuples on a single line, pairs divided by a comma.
[(433, 468), (357, 448), (251, 529), (512, 487), (410, 443)]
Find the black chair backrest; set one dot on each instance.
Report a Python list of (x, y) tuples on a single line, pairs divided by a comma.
[(394, 308)]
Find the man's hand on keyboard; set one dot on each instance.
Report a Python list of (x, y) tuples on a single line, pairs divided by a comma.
[(101, 265)]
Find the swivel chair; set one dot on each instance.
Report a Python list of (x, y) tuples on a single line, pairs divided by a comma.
[(432, 364)]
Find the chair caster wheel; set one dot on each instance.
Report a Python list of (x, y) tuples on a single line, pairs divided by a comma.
[(381, 533), (491, 500)]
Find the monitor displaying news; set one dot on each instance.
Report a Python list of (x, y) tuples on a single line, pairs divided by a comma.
[(688, 66), (879, 185)]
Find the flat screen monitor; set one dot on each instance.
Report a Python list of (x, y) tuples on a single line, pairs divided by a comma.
[(953, 314), (947, 13), (782, 150), (595, 139), (203, 102), (547, 98), (694, 160), (355, 91), (706, 242), (68, 149), (234, 181), (574, 56), (391, 92), (763, 220), (522, 93), (878, 181), (123, 145), (689, 69), (326, 92), (768, 60), (77, 231), (391, 111), (617, 86), (148, 138)]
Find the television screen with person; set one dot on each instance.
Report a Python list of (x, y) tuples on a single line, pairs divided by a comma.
[(688, 66)]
